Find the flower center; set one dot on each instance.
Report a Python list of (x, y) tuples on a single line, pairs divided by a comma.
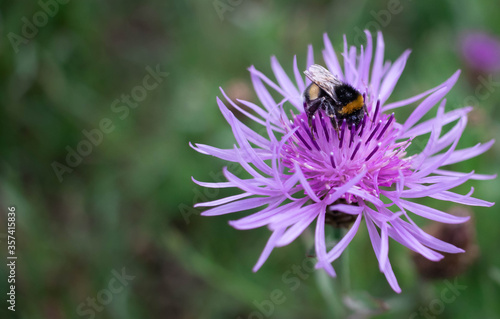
[(329, 158)]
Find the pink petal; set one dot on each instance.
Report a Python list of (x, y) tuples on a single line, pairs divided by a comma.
[(448, 83), (330, 58), (268, 249), (376, 242), (298, 228), (298, 76), (222, 200), (321, 246), (291, 91), (378, 65), (310, 61), (431, 213), (305, 184), (392, 77), (426, 127), (344, 242), (240, 205), (424, 107), (344, 188)]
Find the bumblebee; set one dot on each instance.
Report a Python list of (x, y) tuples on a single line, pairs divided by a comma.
[(339, 100)]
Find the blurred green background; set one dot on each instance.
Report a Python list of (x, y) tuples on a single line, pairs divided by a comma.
[(128, 205)]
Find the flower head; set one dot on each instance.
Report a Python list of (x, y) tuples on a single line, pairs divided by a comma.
[(481, 51), (299, 175)]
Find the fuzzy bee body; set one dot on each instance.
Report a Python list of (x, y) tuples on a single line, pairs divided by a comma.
[(339, 100)]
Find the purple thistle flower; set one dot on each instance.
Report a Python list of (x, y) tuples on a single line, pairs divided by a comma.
[(481, 51), (297, 177)]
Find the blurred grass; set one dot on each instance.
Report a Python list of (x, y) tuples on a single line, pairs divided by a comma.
[(122, 207)]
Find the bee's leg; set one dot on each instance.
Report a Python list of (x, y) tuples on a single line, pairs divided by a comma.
[(365, 110), (330, 111), (309, 120), (313, 108), (335, 123)]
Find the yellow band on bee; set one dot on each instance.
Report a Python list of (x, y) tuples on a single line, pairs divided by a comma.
[(354, 106)]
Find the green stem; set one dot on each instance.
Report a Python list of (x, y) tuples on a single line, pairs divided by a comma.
[(331, 293), (345, 270), (334, 289)]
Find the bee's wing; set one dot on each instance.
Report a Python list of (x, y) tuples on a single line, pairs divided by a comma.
[(324, 79)]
